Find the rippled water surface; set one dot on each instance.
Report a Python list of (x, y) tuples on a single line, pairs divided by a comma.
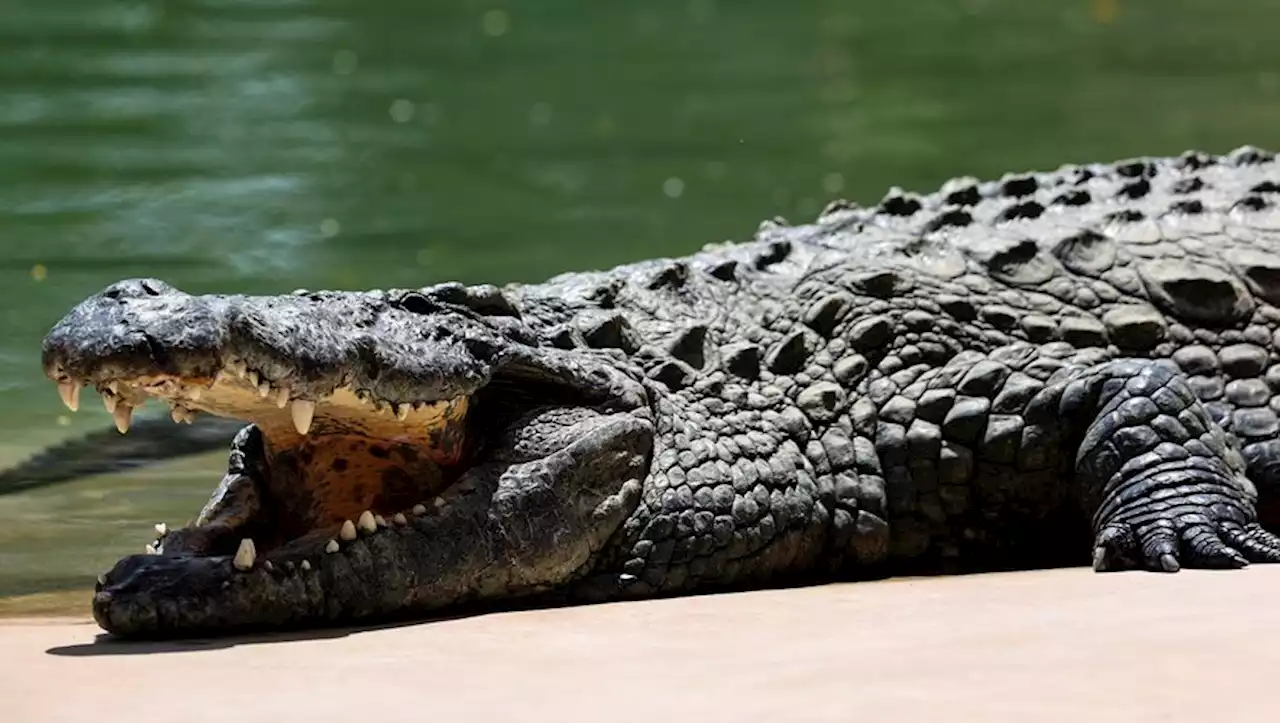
[(265, 145)]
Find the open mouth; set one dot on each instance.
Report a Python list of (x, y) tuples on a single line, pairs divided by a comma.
[(328, 466), (395, 446)]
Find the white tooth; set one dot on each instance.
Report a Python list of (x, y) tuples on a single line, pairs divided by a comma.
[(266, 565), (162, 529), (380, 520), (238, 368), (439, 502), (113, 387), (419, 509), (122, 415), (195, 393), (102, 579), (348, 531), (366, 522), (402, 411), (303, 411), (150, 549), (331, 547), (264, 390), (245, 555), (282, 397), (306, 564), (252, 377), (109, 401), (400, 519), (70, 393), (177, 414)]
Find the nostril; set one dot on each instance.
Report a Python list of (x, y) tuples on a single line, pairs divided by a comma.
[(135, 288)]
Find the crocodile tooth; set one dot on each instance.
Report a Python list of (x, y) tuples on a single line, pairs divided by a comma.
[(151, 549), (162, 529), (195, 393), (331, 546), (303, 410), (251, 376), (380, 520), (245, 555), (177, 414), (400, 519), (102, 579), (282, 397), (348, 531), (366, 523), (306, 564), (419, 509), (113, 387), (266, 565), (109, 401), (122, 415), (439, 502), (265, 390), (401, 410), (238, 368), (70, 393)]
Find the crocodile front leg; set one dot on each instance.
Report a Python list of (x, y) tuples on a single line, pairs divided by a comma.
[(1011, 459), (1166, 483)]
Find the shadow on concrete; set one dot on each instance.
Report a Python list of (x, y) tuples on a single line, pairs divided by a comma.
[(107, 644)]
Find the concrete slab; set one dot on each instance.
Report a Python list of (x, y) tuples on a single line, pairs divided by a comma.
[(1059, 645)]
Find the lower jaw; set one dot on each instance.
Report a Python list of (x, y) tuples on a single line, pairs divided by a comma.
[(310, 581), (363, 569)]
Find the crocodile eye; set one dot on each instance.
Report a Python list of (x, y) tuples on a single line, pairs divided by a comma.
[(417, 303)]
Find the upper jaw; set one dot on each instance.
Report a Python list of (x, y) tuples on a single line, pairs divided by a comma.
[(144, 338)]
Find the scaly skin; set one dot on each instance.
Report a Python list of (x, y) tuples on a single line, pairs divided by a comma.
[(1048, 369)]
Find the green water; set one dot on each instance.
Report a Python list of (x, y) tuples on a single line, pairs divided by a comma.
[(264, 145)]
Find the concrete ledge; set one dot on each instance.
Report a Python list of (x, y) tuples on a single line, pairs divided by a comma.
[(1058, 645)]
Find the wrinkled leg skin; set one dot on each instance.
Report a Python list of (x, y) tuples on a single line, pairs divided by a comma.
[(1167, 483), (1040, 455)]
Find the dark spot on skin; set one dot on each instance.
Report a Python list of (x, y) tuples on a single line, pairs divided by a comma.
[(1187, 185), (1137, 189), (777, 252), (900, 205), (955, 218), (1195, 160), (339, 465), (967, 196), (1073, 198), (1027, 210), (379, 451), (1136, 169), (1020, 186), (1252, 203), (1128, 215), (1187, 207)]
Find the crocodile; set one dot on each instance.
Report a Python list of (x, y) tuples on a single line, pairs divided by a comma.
[(1074, 367)]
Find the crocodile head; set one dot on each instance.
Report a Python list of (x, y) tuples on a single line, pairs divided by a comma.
[(405, 451)]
